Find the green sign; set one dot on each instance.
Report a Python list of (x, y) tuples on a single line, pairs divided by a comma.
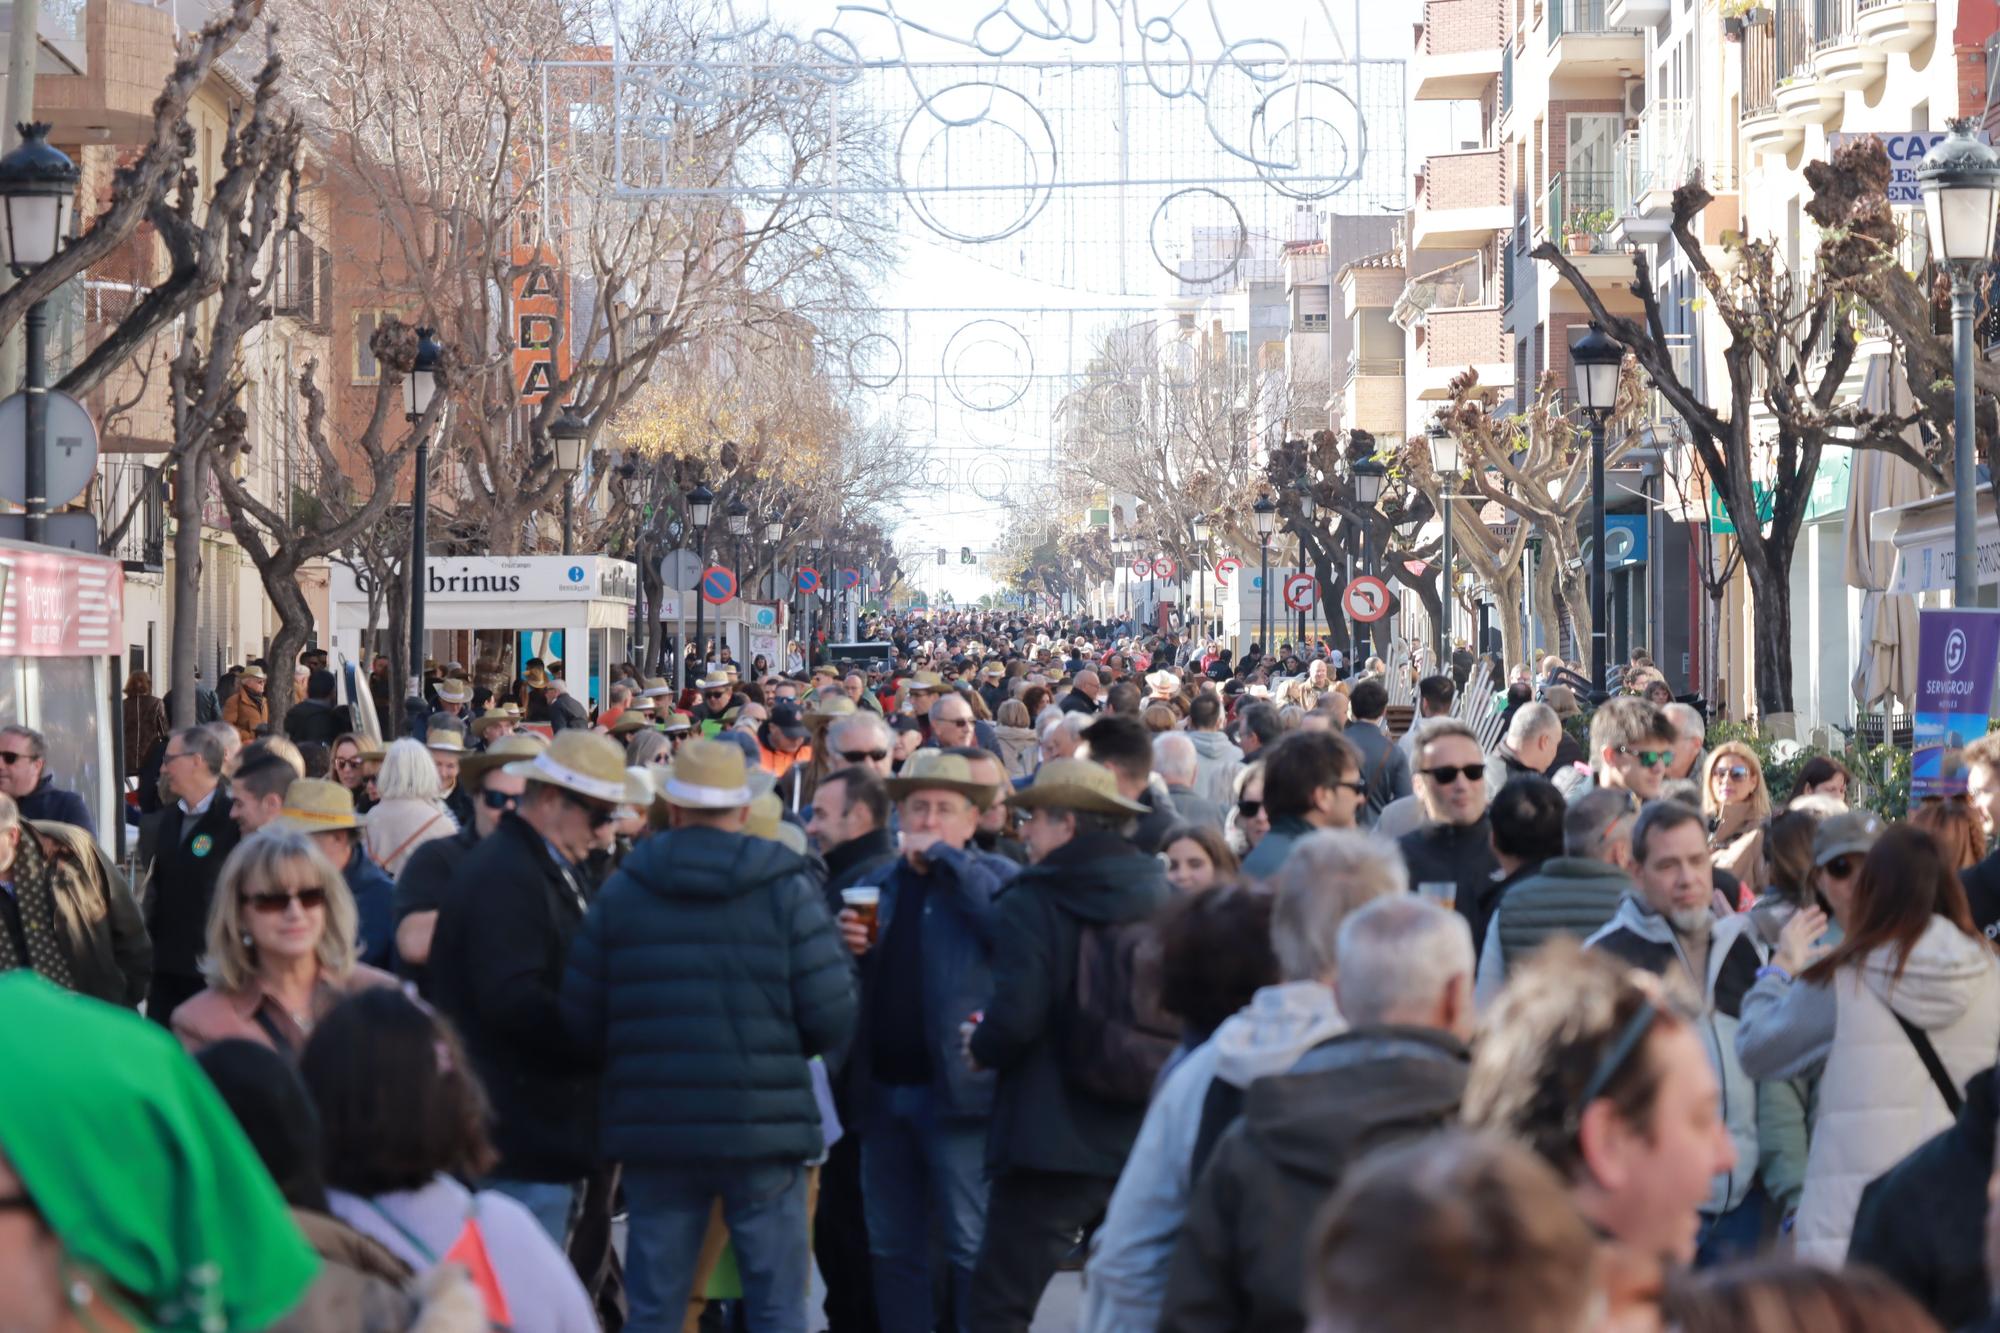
[(1828, 497)]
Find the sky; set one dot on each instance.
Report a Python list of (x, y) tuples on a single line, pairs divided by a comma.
[(967, 327)]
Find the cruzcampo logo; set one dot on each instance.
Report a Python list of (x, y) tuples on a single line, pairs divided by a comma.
[(202, 844)]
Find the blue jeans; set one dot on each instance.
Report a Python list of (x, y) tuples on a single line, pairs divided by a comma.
[(1732, 1236), (552, 1204), (764, 1205), (915, 1169)]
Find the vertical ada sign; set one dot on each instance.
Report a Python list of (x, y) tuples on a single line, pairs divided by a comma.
[(1957, 658), (541, 341)]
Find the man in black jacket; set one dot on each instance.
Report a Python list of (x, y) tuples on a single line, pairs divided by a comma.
[(183, 851), (1123, 745), (1055, 1147), (496, 969), (1455, 845), (708, 976), (1404, 983), (319, 717)]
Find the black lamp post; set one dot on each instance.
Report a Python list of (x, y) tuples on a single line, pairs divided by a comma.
[(38, 187), (1444, 462), (1200, 526), (1369, 474), (1596, 359), (1265, 511), (571, 433), (738, 515), (701, 504), (774, 532), (1308, 515), (420, 389), (1960, 179)]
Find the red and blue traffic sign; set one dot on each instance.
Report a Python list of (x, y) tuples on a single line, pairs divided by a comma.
[(808, 579), (850, 578), (718, 585)]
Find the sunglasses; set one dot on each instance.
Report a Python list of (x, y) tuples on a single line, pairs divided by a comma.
[(600, 815), (15, 757), (271, 904), (1737, 771), (1249, 809), (1840, 867), (1358, 787), (1446, 774), (863, 756), (500, 800), (1648, 758), (347, 763)]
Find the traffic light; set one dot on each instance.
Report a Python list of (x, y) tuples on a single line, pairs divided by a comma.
[(965, 556), (940, 555)]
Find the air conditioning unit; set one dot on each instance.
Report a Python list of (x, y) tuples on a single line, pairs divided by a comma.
[(1635, 98)]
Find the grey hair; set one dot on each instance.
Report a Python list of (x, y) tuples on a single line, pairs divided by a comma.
[(36, 741), (205, 745), (1587, 822), (408, 773), (846, 728), (1328, 875), (1174, 758), (1687, 720), (1398, 952), (1073, 723), (1532, 720), (225, 736), (645, 743)]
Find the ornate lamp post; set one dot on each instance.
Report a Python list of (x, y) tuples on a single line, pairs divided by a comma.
[(571, 433), (1265, 512), (38, 191), (701, 505), (420, 389), (1444, 462), (1596, 360)]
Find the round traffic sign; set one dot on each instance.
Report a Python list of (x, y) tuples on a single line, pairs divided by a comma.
[(850, 578), (1366, 599), (1142, 567), (69, 449), (1164, 567), (681, 570), (1226, 568), (718, 585), (807, 579), (1301, 591)]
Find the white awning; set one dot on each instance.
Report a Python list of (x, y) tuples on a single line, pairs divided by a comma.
[(1923, 536)]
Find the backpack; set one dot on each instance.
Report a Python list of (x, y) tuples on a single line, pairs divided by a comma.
[(1119, 1035)]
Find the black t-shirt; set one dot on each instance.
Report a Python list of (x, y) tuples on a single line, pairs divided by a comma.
[(898, 1052), (1982, 892)]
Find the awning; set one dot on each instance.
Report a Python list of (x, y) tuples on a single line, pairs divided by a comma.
[(1922, 533), (1886, 660)]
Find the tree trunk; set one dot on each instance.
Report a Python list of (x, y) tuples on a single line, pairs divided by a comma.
[(1771, 625), (1544, 593), (191, 481), (1506, 590), (281, 585), (1573, 586)]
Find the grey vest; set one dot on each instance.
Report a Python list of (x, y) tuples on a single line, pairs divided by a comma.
[(1571, 896)]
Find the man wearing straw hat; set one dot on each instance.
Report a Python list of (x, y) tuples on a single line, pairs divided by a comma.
[(453, 695), (706, 976), (925, 967), (496, 966), (429, 871), (1058, 1139), (324, 812)]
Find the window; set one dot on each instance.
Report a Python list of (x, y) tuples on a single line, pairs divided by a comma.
[(296, 269), (1312, 304), (367, 370)]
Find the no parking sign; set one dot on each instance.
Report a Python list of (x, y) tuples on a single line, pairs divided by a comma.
[(718, 585)]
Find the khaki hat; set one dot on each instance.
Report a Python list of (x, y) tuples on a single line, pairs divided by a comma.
[(767, 821), (490, 719), (993, 669), (630, 721), (827, 669), (639, 789), (830, 705), (314, 805), (474, 767), (251, 673), (1563, 699), (581, 762), (925, 680), (1075, 784), (454, 691), (714, 680), (512, 709), (1844, 834), (934, 770), (1164, 683), (656, 687), (536, 677), (707, 775), (445, 740), (674, 723)]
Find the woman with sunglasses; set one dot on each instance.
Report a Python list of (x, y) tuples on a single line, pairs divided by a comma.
[(1897, 1015), (1734, 798), (281, 947)]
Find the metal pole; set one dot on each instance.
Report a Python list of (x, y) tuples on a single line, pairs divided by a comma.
[(419, 565), (35, 382), (569, 515), (1301, 645), (1965, 494), (1600, 630), (700, 608), (1444, 591), (1264, 598)]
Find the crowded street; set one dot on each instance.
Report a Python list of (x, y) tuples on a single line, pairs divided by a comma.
[(778, 666)]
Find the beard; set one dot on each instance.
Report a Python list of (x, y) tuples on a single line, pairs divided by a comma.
[(1692, 922)]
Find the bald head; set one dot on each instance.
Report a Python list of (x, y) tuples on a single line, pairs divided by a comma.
[(1088, 684)]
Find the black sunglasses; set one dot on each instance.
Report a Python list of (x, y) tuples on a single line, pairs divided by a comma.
[(270, 904), (600, 815), (1446, 774), (1840, 867), (15, 757), (500, 800), (863, 756), (1647, 758), (1249, 809), (1358, 787)]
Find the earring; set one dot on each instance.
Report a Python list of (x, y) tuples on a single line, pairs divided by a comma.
[(248, 941)]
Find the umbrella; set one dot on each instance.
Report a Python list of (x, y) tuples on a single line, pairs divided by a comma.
[(1887, 668)]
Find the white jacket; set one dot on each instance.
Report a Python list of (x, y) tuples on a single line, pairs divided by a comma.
[(1876, 1102), (394, 829)]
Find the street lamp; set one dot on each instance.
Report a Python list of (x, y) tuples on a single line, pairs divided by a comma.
[(701, 504), (1444, 462), (1308, 512), (420, 390), (1960, 179), (38, 187), (1200, 527), (1369, 475), (1596, 361), (1266, 514), (571, 433), (738, 515), (774, 532)]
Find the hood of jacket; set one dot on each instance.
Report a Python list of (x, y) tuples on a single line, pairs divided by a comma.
[(1016, 736), (1337, 1099), (1939, 976), (1100, 877), (708, 863), (1214, 745), (1269, 1034)]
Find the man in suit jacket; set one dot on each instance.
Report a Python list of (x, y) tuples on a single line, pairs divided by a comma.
[(183, 850), (1384, 768)]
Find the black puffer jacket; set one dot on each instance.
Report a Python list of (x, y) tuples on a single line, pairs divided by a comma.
[(1463, 854), (708, 973)]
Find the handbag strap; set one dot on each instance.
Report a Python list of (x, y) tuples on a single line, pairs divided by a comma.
[(1928, 1054)]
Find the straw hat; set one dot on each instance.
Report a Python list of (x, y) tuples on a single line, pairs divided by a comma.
[(639, 789), (506, 750), (675, 723), (1165, 684), (714, 680), (993, 670), (314, 805), (454, 691), (1075, 784), (536, 677), (581, 762), (252, 673), (656, 687), (707, 775), (926, 680), (490, 719), (445, 740), (827, 669), (934, 770), (767, 821)]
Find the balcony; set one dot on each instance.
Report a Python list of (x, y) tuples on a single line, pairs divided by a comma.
[(1895, 25), (1637, 13), (128, 51), (1372, 395), (1653, 161), (1584, 42), (1462, 200), (1840, 58), (1764, 128), (1458, 50), (132, 494)]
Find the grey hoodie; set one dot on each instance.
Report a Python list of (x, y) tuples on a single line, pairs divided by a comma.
[(1216, 763), (1126, 1279)]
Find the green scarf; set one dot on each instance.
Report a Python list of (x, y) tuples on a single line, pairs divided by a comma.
[(139, 1168), (34, 878)]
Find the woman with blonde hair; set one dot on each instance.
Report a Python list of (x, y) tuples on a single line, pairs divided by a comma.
[(281, 947), (1019, 746), (409, 810), (1737, 803)]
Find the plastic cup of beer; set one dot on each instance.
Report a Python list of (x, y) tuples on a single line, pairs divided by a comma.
[(863, 902), (1443, 892)]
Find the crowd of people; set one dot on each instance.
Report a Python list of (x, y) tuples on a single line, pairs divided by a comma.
[(1263, 1000)]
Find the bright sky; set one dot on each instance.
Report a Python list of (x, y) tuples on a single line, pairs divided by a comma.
[(1067, 276)]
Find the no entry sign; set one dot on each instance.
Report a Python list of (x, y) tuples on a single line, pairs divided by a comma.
[(1164, 567), (1301, 591), (1366, 599), (1225, 569), (808, 579), (718, 585)]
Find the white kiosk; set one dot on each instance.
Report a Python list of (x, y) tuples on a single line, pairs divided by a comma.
[(495, 612)]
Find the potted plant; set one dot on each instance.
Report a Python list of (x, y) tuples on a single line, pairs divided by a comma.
[(1583, 227)]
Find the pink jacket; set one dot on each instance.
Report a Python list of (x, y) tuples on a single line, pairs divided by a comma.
[(217, 1015)]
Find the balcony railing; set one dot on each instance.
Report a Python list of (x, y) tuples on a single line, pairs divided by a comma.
[(1583, 16), (1581, 201), (1833, 22), (1796, 21), (126, 485), (1760, 69), (1359, 366)]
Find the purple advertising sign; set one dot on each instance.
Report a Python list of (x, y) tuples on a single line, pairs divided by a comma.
[(1957, 657)]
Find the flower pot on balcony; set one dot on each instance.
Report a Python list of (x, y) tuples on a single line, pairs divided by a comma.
[(1579, 242), (1732, 29)]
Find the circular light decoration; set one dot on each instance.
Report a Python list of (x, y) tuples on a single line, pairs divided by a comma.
[(1198, 236), (988, 365), (1310, 138), (977, 131), (874, 361)]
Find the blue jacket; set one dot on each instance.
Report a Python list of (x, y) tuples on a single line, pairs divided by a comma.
[(48, 801), (375, 903), (957, 949), (708, 974)]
